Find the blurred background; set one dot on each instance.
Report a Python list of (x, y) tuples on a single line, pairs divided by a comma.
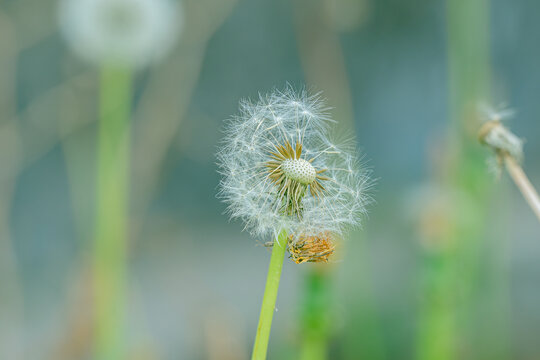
[(445, 267)]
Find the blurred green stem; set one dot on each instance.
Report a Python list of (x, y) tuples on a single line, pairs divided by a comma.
[(112, 213), (315, 314), (438, 317), (452, 271), (270, 296)]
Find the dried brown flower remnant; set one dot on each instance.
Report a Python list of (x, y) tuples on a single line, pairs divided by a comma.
[(311, 249)]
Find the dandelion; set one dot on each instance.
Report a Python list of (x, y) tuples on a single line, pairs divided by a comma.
[(286, 179), (508, 150), (131, 33), (120, 36)]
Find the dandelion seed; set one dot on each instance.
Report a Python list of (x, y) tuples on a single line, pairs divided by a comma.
[(130, 33)]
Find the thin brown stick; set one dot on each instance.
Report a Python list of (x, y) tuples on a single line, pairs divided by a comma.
[(527, 190)]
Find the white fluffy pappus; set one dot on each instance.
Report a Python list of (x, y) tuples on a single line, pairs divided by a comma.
[(131, 33), (323, 190)]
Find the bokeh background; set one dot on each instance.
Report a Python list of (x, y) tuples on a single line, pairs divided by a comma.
[(446, 265)]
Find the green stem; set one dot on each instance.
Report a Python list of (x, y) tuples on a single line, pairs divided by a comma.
[(316, 317), (270, 295), (313, 347), (453, 273), (112, 213)]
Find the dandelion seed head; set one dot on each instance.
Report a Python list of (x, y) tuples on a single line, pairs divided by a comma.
[(282, 170), (131, 33), (299, 170), (494, 134)]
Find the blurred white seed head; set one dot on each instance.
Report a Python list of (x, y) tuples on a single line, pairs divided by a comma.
[(131, 33), (281, 170), (497, 136)]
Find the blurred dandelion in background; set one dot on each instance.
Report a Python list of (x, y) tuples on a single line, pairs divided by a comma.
[(130, 33), (120, 36), (508, 149)]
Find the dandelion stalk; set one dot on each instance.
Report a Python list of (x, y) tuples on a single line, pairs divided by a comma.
[(522, 182), (270, 295), (508, 149), (112, 212)]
